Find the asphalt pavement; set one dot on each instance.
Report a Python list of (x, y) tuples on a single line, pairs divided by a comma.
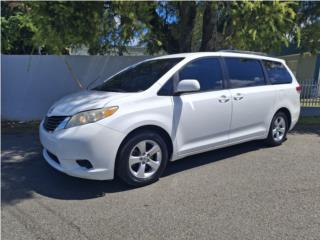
[(247, 191)]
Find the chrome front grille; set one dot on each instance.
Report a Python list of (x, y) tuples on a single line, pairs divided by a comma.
[(51, 123)]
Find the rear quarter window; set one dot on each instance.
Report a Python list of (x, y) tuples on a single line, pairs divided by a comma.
[(277, 72)]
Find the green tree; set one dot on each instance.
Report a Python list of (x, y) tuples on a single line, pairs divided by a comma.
[(308, 19), (59, 27), (261, 26), (17, 29), (66, 25), (170, 26), (49, 27), (119, 28)]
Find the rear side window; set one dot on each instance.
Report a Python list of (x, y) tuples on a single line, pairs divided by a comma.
[(277, 73), (244, 72)]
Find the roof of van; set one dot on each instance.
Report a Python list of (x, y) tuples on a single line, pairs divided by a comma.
[(220, 54)]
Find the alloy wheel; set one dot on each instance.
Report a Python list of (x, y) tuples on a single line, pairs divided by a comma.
[(279, 129), (145, 159)]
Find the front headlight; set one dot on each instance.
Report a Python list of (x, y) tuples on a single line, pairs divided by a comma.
[(90, 116)]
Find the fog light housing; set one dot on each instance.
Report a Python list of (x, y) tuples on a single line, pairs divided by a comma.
[(84, 163)]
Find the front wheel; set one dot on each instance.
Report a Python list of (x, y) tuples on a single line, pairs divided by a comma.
[(278, 129), (142, 158)]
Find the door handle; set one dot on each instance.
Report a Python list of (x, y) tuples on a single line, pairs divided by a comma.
[(238, 96), (223, 99)]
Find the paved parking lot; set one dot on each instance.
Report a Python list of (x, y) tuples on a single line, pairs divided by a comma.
[(242, 192)]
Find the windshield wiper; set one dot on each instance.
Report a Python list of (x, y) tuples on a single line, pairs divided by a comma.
[(111, 90)]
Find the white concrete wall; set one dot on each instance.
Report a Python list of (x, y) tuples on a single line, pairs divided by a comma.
[(30, 84)]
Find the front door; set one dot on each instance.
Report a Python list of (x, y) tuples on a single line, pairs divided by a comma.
[(202, 119)]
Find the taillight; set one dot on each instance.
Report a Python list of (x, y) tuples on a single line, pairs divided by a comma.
[(299, 88)]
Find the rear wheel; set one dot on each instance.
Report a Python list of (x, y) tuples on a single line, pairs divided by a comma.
[(278, 129), (142, 158)]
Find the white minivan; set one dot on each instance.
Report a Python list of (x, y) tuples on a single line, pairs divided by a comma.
[(167, 108)]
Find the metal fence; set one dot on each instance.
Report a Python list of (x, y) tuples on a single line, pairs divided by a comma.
[(310, 94)]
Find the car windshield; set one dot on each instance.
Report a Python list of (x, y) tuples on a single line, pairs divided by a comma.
[(138, 77)]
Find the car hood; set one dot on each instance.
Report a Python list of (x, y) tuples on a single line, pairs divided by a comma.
[(82, 101)]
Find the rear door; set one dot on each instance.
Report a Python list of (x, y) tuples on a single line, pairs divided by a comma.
[(252, 98)]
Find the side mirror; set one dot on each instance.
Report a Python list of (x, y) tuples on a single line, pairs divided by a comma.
[(188, 85)]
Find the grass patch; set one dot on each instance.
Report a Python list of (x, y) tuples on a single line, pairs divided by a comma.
[(309, 121)]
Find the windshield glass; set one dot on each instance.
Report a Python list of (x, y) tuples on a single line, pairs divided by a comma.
[(138, 77)]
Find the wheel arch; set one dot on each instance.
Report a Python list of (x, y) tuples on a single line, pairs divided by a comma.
[(286, 111), (154, 128)]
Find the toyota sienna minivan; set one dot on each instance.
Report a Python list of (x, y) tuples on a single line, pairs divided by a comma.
[(166, 108)]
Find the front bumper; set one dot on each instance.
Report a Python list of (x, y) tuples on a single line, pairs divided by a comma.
[(93, 142)]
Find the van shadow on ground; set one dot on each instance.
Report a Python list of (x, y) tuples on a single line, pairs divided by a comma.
[(24, 172)]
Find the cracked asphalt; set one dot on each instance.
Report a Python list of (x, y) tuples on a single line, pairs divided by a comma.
[(247, 191)]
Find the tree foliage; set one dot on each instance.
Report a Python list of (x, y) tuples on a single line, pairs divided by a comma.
[(63, 25), (260, 26), (119, 27), (170, 26), (309, 22), (17, 29)]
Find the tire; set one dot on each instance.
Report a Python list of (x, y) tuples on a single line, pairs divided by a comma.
[(278, 129), (136, 164)]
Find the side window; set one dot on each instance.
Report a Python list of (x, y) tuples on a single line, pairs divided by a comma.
[(244, 72), (277, 73), (167, 88), (206, 70)]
